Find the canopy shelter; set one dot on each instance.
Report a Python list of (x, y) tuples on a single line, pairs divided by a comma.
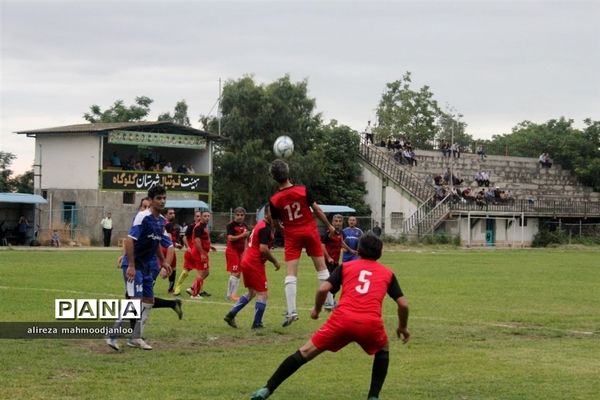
[(199, 204), (22, 198)]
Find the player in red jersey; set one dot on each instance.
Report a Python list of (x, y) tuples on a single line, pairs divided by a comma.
[(237, 232), (173, 230), (291, 205), (357, 317), (253, 271), (332, 243), (201, 245), (188, 263)]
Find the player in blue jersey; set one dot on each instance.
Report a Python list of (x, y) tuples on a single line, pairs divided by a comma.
[(123, 263), (350, 237), (142, 248)]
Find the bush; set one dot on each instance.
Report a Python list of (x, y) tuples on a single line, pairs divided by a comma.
[(545, 237)]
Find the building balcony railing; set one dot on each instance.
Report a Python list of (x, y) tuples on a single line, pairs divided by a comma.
[(539, 207)]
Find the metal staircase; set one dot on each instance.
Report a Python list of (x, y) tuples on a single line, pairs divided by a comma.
[(428, 215)]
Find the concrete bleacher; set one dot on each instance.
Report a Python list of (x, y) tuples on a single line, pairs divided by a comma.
[(521, 175)]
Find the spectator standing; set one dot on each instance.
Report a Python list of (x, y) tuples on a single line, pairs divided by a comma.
[(22, 229), (369, 133), (107, 225)]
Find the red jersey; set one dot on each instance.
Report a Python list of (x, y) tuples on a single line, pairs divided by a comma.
[(235, 229), (291, 205), (200, 231), (333, 245), (261, 234), (364, 285)]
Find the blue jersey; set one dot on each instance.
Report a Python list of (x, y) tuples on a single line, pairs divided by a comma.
[(148, 233), (351, 236)]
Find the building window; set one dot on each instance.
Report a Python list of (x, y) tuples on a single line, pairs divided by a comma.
[(397, 218), (70, 213), (128, 197)]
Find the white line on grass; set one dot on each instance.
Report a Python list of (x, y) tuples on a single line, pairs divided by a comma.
[(229, 304)]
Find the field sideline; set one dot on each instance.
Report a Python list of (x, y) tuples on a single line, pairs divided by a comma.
[(521, 324)]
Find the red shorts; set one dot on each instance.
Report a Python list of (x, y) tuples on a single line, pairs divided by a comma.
[(255, 277), (191, 262), (296, 240), (338, 331), (233, 258), (174, 263)]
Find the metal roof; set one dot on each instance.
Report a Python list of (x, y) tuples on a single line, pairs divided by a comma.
[(144, 126), (23, 198), (199, 204)]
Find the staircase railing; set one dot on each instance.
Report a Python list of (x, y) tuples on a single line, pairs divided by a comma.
[(397, 172), (426, 217)]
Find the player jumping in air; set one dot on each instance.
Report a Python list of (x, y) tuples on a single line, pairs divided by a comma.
[(357, 317), (292, 206)]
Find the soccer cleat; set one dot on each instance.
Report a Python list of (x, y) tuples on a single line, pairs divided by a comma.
[(178, 308), (233, 297), (329, 306), (373, 398), (189, 291), (176, 294), (260, 394), (230, 321), (289, 318), (257, 326), (112, 343), (205, 294), (139, 344), (197, 297)]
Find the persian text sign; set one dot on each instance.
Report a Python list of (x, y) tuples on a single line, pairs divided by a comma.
[(157, 139), (138, 181)]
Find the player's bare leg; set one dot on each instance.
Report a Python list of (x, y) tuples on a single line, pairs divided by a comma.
[(323, 275), (291, 282)]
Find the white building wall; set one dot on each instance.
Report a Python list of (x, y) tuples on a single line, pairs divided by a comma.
[(396, 201), (510, 234), (68, 162)]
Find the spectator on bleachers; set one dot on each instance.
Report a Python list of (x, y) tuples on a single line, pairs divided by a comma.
[(480, 198), (481, 152), (545, 160), (482, 178), (182, 169), (390, 145), (115, 161), (455, 150), (168, 168), (190, 170), (138, 166), (445, 147)]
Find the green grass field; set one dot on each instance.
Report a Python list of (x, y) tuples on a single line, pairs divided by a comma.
[(519, 324)]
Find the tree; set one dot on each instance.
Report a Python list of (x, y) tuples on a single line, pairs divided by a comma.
[(180, 114), (452, 128), (253, 116), (407, 112), (574, 149), (23, 183), (119, 112), (6, 160)]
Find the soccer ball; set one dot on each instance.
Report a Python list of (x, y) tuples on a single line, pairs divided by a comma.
[(283, 146)]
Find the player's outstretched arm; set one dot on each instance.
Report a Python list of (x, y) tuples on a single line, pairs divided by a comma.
[(321, 215), (402, 330)]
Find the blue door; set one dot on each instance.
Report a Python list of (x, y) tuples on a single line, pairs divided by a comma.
[(490, 232)]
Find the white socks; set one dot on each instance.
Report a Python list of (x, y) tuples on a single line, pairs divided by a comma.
[(138, 331), (233, 285), (290, 283), (323, 276)]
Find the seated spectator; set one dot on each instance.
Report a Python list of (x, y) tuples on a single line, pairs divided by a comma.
[(115, 161), (182, 169), (408, 156), (481, 152), (486, 178), (138, 166), (445, 147), (480, 198), (545, 160), (191, 170), (168, 168), (468, 195), (55, 240), (390, 145), (382, 143), (490, 196)]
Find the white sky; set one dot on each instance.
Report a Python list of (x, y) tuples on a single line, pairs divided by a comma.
[(496, 62)]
